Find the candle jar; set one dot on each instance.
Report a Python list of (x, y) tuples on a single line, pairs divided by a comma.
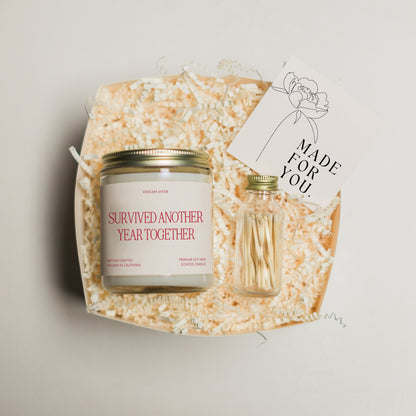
[(258, 246), (156, 221)]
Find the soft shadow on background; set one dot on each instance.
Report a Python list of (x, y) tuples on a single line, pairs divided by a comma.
[(64, 251)]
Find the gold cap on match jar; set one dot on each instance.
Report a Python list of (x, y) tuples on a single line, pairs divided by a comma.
[(261, 183)]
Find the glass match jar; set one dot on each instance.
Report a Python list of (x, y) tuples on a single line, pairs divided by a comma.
[(156, 221), (258, 245)]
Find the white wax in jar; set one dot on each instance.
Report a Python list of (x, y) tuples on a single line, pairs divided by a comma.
[(156, 231)]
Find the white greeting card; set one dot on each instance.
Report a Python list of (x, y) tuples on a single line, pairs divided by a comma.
[(308, 132)]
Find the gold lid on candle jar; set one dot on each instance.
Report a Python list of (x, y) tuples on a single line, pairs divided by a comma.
[(261, 183), (156, 157)]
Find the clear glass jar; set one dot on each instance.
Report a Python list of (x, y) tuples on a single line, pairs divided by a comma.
[(156, 221), (259, 239)]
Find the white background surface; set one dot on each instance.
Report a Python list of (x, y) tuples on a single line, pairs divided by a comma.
[(58, 360)]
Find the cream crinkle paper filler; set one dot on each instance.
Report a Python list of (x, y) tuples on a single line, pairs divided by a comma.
[(200, 113)]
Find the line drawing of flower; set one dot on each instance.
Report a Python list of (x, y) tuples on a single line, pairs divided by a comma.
[(304, 95)]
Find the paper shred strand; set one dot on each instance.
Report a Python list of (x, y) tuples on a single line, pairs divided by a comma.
[(87, 169)]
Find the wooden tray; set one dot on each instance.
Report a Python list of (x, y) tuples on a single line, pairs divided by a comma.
[(218, 311)]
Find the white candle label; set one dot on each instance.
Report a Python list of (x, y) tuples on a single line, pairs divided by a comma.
[(156, 228), (308, 132)]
